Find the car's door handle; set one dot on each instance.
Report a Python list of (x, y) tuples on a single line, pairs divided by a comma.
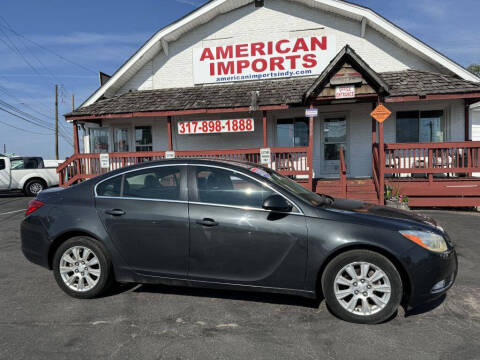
[(115, 212), (207, 222)]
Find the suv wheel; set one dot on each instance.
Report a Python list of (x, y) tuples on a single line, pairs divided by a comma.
[(362, 286), (82, 268)]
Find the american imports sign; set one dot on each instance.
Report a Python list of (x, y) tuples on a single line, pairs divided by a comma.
[(263, 60)]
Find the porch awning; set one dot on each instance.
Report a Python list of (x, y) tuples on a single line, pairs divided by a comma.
[(270, 92)]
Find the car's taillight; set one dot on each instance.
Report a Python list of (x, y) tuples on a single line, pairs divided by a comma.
[(33, 205)]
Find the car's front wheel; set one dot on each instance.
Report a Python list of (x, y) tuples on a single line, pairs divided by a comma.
[(82, 268), (362, 286)]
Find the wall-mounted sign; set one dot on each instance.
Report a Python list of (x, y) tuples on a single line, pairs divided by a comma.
[(216, 126), (170, 155), (346, 79), (263, 60), (345, 92), (105, 161), (311, 112), (381, 113), (265, 156)]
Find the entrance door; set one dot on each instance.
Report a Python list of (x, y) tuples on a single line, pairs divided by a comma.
[(233, 240), (334, 136)]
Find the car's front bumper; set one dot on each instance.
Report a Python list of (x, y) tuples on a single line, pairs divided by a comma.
[(431, 274)]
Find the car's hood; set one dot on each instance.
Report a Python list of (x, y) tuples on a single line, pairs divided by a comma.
[(363, 209)]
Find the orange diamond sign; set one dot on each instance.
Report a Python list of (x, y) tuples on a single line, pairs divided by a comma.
[(381, 113)]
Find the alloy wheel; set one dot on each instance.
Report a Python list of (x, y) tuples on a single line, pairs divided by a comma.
[(362, 288), (80, 269)]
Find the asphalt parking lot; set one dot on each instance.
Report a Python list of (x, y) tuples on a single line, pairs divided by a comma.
[(38, 321)]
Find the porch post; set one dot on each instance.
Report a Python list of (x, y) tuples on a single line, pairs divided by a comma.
[(374, 127), (265, 135), (467, 120), (310, 152), (169, 127), (381, 156), (76, 145)]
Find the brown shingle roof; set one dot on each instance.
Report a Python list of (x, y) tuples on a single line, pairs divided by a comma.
[(415, 82), (272, 92)]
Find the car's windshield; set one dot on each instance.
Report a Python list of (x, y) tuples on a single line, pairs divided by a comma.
[(293, 187)]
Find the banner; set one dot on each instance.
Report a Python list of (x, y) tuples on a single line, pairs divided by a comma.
[(263, 60)]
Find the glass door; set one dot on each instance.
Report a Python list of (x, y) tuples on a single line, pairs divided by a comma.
[(334, 137)]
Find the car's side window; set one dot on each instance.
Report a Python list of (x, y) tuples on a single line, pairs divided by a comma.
[(225, 187), (2, 164), (111, 187), (162, 183)]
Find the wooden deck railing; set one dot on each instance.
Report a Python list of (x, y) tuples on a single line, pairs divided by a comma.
[(287, 161), (449, 158)]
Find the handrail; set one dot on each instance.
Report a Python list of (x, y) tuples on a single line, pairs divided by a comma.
[(287, 161), (343, 172), (376, 170), (449, 158)]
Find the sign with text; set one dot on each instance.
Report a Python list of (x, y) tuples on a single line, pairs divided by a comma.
[(216, 126), (345, 92), (381, 113), (263, 60), (311, 112), (105, 161), (170, 155), (265, 156)]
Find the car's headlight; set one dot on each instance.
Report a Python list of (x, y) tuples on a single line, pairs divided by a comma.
[(428, 240)]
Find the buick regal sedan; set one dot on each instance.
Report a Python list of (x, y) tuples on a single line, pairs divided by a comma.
[(236, 226)]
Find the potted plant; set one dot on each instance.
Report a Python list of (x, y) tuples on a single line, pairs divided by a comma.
[(394, 198)]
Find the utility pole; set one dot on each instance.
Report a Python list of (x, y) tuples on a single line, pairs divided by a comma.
[(4, 148), (56, 122), (75, 128)]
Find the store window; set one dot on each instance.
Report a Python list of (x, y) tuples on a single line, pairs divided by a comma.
[(143, 138), (292, 132), (420, 126), (98, 140), (120, 140)]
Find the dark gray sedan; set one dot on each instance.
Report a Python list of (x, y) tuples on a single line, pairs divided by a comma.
[(236, 226)]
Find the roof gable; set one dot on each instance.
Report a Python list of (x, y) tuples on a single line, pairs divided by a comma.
[(213, 8), (347, 56)]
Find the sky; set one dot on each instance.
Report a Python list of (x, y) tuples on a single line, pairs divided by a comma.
[(48, 42)]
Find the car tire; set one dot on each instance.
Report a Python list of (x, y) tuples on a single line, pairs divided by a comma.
[(82, 268), (33, 187), (370, 294)]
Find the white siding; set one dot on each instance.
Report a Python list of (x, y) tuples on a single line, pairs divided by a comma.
[(475, 125), (277, 19)]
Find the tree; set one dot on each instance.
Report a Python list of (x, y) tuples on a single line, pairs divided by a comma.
[(474, 68)]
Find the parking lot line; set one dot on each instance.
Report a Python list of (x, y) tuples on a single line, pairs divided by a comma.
[(12, 212)]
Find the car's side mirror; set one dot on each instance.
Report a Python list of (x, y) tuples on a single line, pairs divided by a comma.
[(277, 203)]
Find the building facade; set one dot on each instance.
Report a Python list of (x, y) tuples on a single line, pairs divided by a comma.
[(234, 79)]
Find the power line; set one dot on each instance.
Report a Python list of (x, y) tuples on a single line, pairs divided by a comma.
[(64, 133), (28, 131), (9, 28)]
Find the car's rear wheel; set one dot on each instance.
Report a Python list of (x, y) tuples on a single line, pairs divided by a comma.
[(82, 268), (362, 286), (34, 186)]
